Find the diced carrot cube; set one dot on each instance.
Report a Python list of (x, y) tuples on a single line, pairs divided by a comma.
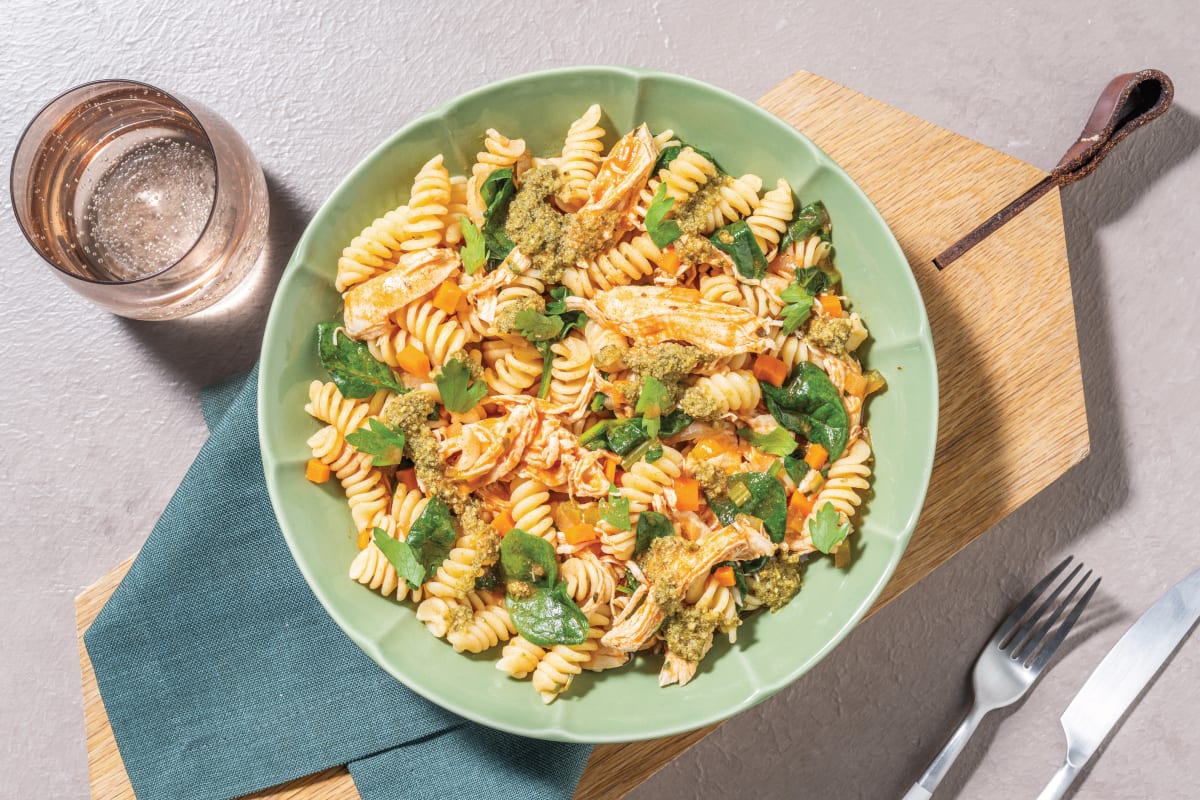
[(316, 470), (687, 494), (670, 261), (447, 297), (856, 384), (724, 576), (413, 360), (801, 504), (831, 304), (578, 534), (610, 469), (816, 456), (770, 369), (503, 523), (364, 539)]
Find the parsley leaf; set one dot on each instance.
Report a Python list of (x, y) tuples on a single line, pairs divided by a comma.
[(651, 403), (474, 251), (401, 556), (779, 442), (738, 241), (662, 231), (825, 529), (799, 296), (536, 326), (354, 370), (378, 439), (460, 393), (557, 304)]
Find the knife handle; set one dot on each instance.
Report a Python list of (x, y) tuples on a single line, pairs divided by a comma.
[(1056, 789)]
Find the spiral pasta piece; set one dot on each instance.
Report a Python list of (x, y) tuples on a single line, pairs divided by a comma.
[(374, 250), (433, 332), (520, 657), (720, 288), (645, 481), (590, 582), (488, 627), (456, 576), (514, 365), (621, 265), (562, 663), (570, 370), (455, 211), (607, 347), (499, 152), (716, 601), (428, 206), (770, 220), (440, 614), (737, 198), (523, 289), (847, 480), (365, 488), (386, 347), (531, 510), (686, 173), (733, 391), (327, 404), (581, 155), (370, 567)]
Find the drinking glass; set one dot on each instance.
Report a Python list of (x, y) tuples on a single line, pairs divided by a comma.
[(147, 203)]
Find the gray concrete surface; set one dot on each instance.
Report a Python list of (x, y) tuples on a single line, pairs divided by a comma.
[(99, 416)]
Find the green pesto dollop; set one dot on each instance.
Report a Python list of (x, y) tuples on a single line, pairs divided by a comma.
[(712, 479), (610, 358), (464, 358), (831, 333), (693, 249), (459, 618), (698, 404), (505, 318), (670, 362), (689, 633), (552, 240), (518, 589), (776, 583), (695, 212)]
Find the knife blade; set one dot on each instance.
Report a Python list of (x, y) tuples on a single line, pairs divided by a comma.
[(1118, 681)]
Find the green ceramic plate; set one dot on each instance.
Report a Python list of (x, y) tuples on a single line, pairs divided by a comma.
[(772, 649)]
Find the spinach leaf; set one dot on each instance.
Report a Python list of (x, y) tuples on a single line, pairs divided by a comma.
[(432, 534), (651, 525), (460, 392), (528, 558), (674, 423), (810, 405), (615, 510), (796, 468), (738, 241), (754, 565), (625, 435), (654, 453), (768, 502), (497, 191), (401, 556), (799, 296), (490, 579), (668, 154), (548, 616), (779, 442), (827, 529), (662, 231), (810, 219), (354, 370), (382, 442)]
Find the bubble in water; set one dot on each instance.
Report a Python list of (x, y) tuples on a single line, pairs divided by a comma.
[(150, 207)]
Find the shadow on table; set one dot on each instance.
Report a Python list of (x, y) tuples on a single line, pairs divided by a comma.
[(870, 701), (224, 340)]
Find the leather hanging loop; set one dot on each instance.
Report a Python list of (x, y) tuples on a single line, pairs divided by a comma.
[(1126, 104)]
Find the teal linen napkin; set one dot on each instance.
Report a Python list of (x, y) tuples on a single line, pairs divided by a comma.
[(222, 674)]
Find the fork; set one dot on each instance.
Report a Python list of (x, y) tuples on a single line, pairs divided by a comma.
[(1011, 662)]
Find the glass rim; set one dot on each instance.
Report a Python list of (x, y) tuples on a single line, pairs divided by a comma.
[(208, 143)]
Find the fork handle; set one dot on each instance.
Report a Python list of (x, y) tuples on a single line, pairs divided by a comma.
[(1056, 789), (923, 788)]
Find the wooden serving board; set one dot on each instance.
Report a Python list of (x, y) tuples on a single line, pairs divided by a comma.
[(1012, 415)]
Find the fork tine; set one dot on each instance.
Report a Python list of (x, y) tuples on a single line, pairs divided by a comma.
[(1031, 643), (1023, 636), (1027, 601), (1051, 646)]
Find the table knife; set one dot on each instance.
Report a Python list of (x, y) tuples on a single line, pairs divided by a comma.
[(1128, 668)]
